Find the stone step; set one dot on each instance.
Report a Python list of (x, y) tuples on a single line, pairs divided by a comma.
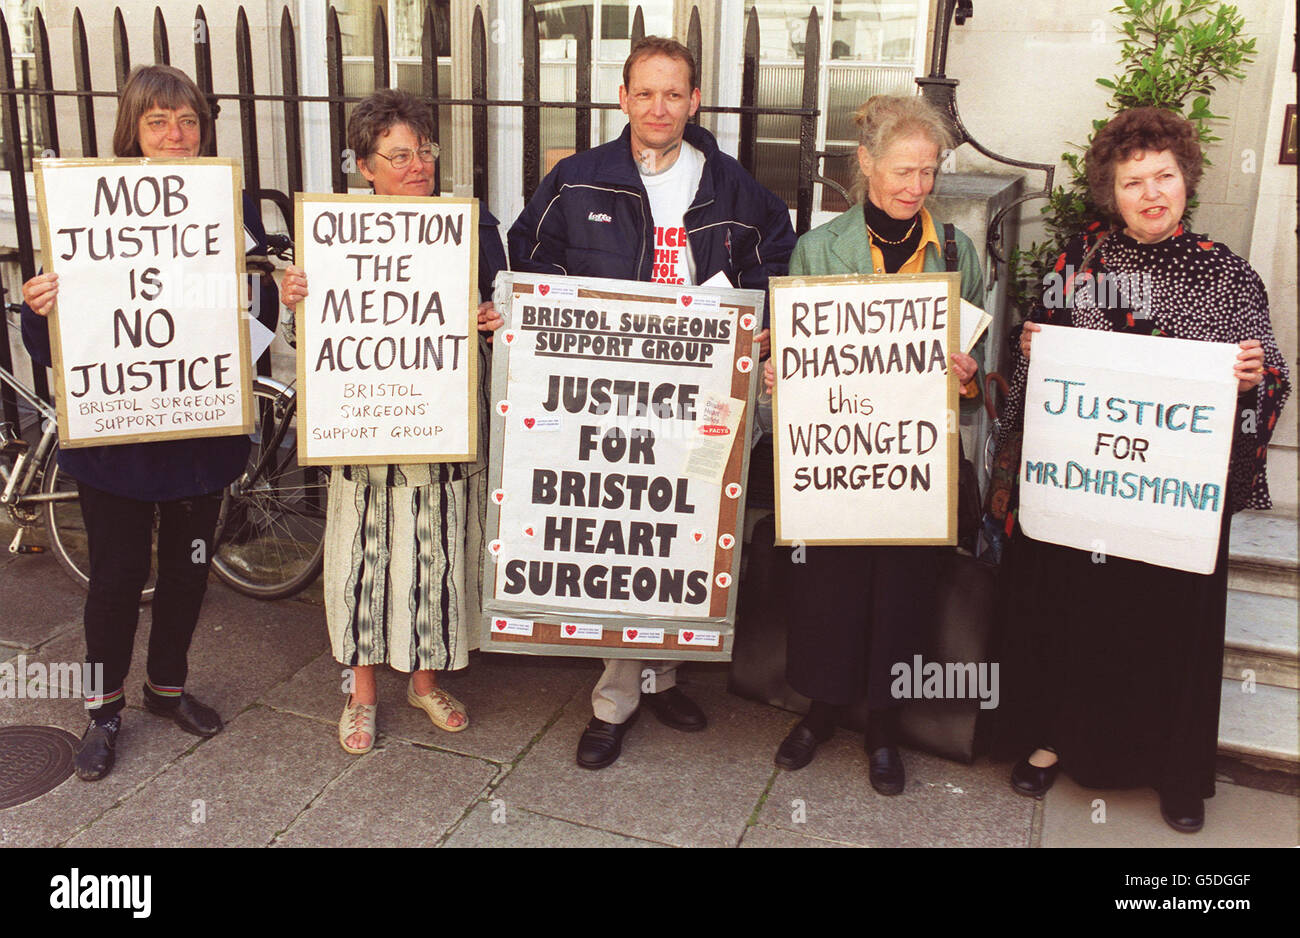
[(1260, 727), (1262, 554), (1262, 636)]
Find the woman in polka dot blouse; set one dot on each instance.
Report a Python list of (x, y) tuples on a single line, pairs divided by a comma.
[(1113, 670)]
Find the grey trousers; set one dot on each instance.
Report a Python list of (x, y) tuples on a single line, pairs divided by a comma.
[(618, 691)]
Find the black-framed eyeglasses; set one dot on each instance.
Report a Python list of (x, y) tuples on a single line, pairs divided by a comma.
[(402, 156)]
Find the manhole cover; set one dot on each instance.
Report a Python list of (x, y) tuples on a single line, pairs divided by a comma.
[(33, 760)]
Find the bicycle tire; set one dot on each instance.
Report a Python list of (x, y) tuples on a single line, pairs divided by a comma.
[(270, 541), (67, 529)]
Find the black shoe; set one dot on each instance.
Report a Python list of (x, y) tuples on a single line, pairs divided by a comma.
[(601, 742), (187, 713), (97, 749), (886, 770), (1185, 815), (675, 709), (797, 749), (1032, 780)]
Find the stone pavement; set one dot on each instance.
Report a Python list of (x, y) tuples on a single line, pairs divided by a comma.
[(277, 777)]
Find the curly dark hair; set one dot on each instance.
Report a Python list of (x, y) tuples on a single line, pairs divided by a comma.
[(658, 45), (382, 110), (1135, 130)]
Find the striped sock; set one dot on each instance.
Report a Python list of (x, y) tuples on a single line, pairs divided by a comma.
[(163, 691), (101, 700)]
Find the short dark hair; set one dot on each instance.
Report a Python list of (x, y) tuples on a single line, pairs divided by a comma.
[(1135, 130), (150, 86), (379, 112), (658, 45)]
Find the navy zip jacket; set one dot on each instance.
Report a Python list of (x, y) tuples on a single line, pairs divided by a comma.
[(591, 218), (152, 472)]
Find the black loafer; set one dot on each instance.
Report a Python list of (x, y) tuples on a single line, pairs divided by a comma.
[(1185, 815), (675, 709), (187, 713), (797, 749), (886, 770), (97, 750), (1033, 781), (601, 743)]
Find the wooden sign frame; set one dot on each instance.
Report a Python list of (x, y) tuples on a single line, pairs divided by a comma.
[(304, 421), (48, 263), (952, 282), (546, 619)]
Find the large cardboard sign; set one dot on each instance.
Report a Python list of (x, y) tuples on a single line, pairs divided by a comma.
[(387, 337), (1126, 445), (864, 410), (147, 340), (620, 444)]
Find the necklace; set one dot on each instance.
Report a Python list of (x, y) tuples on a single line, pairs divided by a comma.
[(908, 234)]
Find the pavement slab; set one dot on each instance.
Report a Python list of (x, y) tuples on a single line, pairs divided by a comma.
[(519, 828), (397, 795), (32, 613), (510, 699), (683, 789), (249, 782), (1234, 817), (761, 836), (945, 804)]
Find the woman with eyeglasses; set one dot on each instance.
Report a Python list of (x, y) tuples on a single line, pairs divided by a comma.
[(403, 544)]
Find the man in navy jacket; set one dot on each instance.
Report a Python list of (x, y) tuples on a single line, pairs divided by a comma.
[(592, 217)]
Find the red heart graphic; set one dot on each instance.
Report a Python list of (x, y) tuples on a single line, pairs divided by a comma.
[(686, 301), (501, 623), (747, 321), (498, 496), (528, 531), (503, 407), (509, 337), (529, 421), (631, 633), (570, 629), (733, 489), (698, 536), (744, 365), (544, 289), (726, 541), (688, 635)]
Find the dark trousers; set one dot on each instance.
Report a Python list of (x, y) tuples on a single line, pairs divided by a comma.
[(119, 532), (853, 612)]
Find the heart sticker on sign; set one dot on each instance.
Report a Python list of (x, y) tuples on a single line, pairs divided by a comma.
[(697, 535), (747, 322), (726, 541), (744, 363), (570, 629), (530, 422), (544, 288), (529, 531), (688, 635), (500, 624), (499, 496), (631, 633), (509, 336), (723, 579), (494, 547), (686, 299), (732, 490), (503, 407)]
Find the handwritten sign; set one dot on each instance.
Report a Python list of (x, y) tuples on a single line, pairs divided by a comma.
[(1126, 445), (620, 439), (387, 353), (864, 411), (148, 340)]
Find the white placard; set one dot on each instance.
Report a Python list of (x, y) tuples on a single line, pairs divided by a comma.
[(387, 353), (864, 411), (1126, 445), (147, 338)]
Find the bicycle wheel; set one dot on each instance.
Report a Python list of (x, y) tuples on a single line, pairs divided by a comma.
[(271, 535), (67, 528)]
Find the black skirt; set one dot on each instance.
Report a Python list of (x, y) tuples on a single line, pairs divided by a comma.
[(1116, 665)]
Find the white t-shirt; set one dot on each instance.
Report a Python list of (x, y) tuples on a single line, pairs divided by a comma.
[(670, 194)]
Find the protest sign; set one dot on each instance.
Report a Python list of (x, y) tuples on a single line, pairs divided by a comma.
[(147, 340), (620, 444), (864, 411), (1126, 445), (387, 336)]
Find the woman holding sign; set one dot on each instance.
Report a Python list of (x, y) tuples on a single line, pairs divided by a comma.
[(161, 115), (418, 525), (854, 610), (1112, 667)]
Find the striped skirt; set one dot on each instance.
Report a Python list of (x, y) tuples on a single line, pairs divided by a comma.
[(403, 568)]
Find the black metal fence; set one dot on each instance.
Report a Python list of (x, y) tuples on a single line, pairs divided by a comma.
[(32, 94)]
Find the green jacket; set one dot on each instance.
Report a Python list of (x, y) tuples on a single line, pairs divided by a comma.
[(841, 247)]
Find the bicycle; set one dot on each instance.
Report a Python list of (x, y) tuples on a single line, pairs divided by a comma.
[(269, 542)]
